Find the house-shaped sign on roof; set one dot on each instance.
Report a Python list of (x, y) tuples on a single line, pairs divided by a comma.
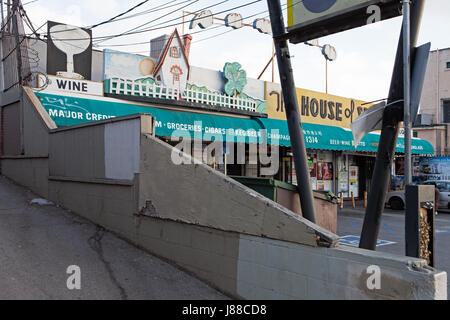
[(173, 65)]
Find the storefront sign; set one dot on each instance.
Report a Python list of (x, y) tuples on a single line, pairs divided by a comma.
[(311, 19), (69, 51), (309, 10), (315, 107), (67, 110), (60, 84), (435, 168)]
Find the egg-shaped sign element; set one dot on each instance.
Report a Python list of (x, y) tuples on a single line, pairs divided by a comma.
[(233, 20), (329, 52), (204, 20), (263, 26), (318, 6), (147, 66)]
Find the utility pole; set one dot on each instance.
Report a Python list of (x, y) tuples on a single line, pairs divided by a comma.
[(8, 10), (1, 49), (3, 17), (15, 26), (407, 90), (292, 112)]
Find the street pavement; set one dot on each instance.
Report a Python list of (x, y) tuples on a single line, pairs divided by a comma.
[(38, 243), (350, 221)]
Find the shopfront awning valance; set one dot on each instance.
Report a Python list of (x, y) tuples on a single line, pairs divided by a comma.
[(68, 111), (335, 138)]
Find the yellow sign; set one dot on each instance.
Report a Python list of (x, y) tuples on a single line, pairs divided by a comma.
[(315, 107)]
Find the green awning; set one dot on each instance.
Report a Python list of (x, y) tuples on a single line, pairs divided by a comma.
[(68, 111)]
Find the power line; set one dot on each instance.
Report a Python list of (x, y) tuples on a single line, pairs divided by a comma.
[(119, 15), (228, 31), (130, 30), (158, 28), (157, 8), (205, 30), (217, 35), (166, 26), (114, 19)]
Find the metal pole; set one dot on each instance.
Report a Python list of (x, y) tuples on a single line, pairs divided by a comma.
[(2, 87), (1, 8), (8, 12), (388, 139), (182, 32), (326, 75), (273, 62), (292, 112), (16, 36), (407, 90)]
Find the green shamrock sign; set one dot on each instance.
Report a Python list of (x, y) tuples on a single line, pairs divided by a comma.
[(236, 78)]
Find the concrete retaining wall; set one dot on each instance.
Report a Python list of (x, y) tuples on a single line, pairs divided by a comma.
[(200, 195), (29, 166), (252, 267), (11, 129), (28, 172)]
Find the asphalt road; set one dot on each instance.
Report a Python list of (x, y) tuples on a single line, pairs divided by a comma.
[(38, 243), (392, 229)]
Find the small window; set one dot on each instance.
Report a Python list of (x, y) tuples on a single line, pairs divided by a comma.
[(446, 111), (448, 65), (174, 53)]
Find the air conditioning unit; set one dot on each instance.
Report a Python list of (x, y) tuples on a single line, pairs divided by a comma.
[(424, 119)]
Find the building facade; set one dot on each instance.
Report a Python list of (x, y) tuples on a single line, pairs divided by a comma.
[(433, 121), (204, 106)]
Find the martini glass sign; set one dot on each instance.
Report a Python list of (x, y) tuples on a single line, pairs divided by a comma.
[(70, 40)]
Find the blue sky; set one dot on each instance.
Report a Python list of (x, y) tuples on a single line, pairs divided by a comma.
[(365, 55)]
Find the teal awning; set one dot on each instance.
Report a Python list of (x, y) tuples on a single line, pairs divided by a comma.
[(68, 111), (335, 138)]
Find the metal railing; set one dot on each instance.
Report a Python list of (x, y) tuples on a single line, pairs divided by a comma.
[(154, 90)]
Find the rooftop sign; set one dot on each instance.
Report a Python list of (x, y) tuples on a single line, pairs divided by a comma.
[(310, 19)]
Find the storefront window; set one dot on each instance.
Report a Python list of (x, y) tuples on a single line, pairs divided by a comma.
[(343, 176), (325, 171), (353, 176), (312, 164)]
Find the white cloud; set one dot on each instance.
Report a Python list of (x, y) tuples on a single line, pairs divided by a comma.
[(124, 61)]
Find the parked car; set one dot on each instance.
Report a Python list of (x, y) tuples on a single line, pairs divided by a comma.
[(396, 199)]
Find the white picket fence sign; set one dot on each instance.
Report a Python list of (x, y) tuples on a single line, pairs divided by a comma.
[(137, 88)]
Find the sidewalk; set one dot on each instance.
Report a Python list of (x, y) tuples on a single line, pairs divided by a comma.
[(38, 243), (348, 207)]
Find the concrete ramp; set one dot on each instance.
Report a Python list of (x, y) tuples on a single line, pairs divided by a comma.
[(117, 174)]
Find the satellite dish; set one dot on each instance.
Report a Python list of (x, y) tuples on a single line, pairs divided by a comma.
[(329, 52), (70, 40)]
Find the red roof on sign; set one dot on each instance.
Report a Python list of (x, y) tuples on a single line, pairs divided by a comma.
[(166, 51)]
